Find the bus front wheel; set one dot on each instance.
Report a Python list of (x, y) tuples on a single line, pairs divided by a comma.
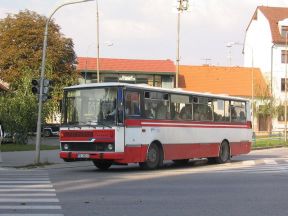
[(102, 164), (153, 158)]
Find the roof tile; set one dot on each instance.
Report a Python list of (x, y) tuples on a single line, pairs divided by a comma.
[(274, 15), (133, 65), (234, 81)]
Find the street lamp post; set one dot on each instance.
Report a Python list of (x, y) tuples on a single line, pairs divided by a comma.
[(98, 45), (182, 6), (229, 45), (42, 76)]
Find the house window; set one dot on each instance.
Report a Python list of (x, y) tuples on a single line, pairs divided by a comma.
[(284, 56), (284, 29), (283, 84), (281, 113)]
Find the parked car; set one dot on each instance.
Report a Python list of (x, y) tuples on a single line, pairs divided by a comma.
[(51, 130), (7, 138)]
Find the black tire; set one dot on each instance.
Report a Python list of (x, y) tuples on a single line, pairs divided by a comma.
[(182, 162), (102, 165), (47, 133), (211, 160), (224, 153), (154, 158)]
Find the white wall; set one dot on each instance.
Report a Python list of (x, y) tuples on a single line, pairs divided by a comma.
[(259, 39)]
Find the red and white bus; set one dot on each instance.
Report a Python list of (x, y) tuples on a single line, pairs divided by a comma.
[(117, 123)]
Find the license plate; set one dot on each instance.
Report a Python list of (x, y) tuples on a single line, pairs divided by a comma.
[(83, 155)]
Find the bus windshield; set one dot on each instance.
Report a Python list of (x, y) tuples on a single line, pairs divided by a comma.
[(90, 106)]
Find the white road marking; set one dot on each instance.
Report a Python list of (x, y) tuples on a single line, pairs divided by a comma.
[(31, 207), (26, 190), (20, 214), (27, 194), (28, 200), (26, 179), (269, 161), (27, 186), (249, 162), (24, 182), (33, 188)]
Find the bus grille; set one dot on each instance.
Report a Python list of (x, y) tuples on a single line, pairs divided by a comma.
[(84, 146)]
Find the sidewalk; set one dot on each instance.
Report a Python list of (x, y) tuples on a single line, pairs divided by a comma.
[(24, 158)]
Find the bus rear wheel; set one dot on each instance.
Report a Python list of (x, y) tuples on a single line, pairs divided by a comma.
[(153, 158), (224, 153), (102, 164)]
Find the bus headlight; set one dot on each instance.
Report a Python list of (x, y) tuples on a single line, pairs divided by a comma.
[(66, 147), (110, 147)]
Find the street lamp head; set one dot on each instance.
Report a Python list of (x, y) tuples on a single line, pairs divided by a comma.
[(75, 1), (183, 5), (109, 43)]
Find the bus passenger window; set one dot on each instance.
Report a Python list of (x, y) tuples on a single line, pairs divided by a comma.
[(218, 106), (181, 107), (202, 111), (238, 113), (149, 111), (132, 104), (156, 105)]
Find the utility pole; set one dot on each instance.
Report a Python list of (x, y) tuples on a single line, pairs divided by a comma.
[(42, 76), (182, 6)]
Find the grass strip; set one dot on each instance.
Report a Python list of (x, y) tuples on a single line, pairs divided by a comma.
[(24, 147)]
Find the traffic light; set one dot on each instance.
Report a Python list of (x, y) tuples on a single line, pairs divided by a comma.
[(35, 86), (47, 88)]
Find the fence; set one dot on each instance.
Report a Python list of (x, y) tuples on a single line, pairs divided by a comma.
[(268, 140)]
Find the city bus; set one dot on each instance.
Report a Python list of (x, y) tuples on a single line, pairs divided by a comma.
[(118, 123)]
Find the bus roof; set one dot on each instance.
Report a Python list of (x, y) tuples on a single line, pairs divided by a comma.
[(151, 88)]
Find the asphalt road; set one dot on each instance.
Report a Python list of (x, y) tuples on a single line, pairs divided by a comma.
[(198, 189), (254, 184)]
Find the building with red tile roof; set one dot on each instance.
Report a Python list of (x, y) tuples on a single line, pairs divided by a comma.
[(159, 73), (233, 81), (265, 48), (274, 15), (127, 65)]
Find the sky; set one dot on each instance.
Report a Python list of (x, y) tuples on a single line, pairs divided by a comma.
[(147, 29)]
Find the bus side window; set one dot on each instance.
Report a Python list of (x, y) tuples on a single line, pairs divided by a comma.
[(132, 104), (238, 111), (149, 112), (218, 106), (156, 105)]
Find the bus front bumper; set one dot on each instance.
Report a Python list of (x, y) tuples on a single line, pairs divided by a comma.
[(91, 156)]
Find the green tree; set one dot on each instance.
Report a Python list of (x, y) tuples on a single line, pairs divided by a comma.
[(21, 37), (265, 104), (18, 110), (21, 44)]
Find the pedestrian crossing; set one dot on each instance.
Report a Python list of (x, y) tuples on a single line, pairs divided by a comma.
[(257, 166), (27, 192)]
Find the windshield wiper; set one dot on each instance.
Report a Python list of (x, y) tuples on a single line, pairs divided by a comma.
[(84, 124), (103, 124), (72, 124)]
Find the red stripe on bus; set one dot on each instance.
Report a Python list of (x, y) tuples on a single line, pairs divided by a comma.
[(130, 155), (192, 124), (199, 150), (135, 154)]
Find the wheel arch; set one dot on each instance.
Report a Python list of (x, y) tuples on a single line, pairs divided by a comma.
[(225, 140), (160, 146)]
